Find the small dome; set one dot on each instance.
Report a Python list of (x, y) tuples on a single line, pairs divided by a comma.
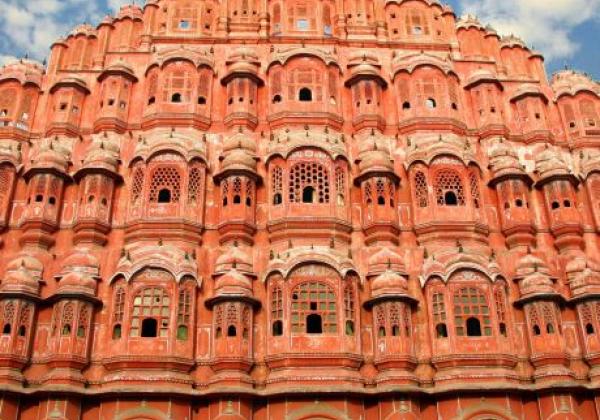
[(22, 281), (27, 261), (375, 161), (239, 159), (234, 257), (529, 264), (389, 283), (77, 283), (238, 141), (233, 283)]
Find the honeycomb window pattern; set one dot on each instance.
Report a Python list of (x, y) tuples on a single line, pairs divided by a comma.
[(194, 185), (470, 302), (307, 174), (165, 177), (150, 302), (448, 181), (313, 298)]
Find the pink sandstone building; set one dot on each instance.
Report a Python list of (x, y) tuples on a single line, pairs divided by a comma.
[(298, 209)]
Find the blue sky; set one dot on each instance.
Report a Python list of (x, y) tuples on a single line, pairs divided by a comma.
[(566, 31)]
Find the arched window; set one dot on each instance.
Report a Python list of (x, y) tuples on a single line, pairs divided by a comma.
[(277, 185), (500, 301), (439, 315), (277, 310), (549, 317), (313, 308), (589, 113), (82, 321), (380, 191), (150, 312), (237, 190), (340, 185), (165, 184), (67, 319), (449, 189), (380, 320), (137, 185), (474, 185), (535, 321), (421, 195), (184, 309), (118, 311), (309, 174), (176, 98), (195, 184), (9, 316), (178, 83), (349, 309), (471, 312), (305, 95)]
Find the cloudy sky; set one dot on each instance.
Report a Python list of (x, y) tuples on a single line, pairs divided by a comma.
[(566, 31)]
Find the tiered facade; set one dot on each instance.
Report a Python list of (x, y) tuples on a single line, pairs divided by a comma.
[(298, 209)]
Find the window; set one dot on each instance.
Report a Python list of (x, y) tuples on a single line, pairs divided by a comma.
[(313, 308), (277, 310), (277, 185), (309, 174), (184, 24), (184, 309), (421, 195), (165, 185), (195, 185), (349, 309), (82, 321), (150, 313), (137, 184), (439, 315), (302, 24), (449, 189), (305, 95), (500, 301), (430, 103), (471, 310), (176, 98), (474, 184), (67, 319)]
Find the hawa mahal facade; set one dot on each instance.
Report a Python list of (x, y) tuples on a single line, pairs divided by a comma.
[(293, 209)]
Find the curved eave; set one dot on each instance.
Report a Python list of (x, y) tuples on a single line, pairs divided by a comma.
[(522, 176), (366, 76), (390, 297), (209, 303), (567, 177), (242, 74)]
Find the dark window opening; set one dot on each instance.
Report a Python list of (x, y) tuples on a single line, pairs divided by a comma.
[(104, 202), (277, 328), (176, 98), (116, 332), (276, 99), (91, 199), (52, 200), (63, 106), (473, 327), (305, 95), (519, 203), (314, 324), (507, 205), (381, 201), (391, 202), (567, 203), (66, 330), (313, 306), (406, 105), (149, 327), (39, 198), (589, 329), (6, 329), (164, 196), (350, 327), (231, 331), (80, 331), (219, 333), (22, 331), (151, 100), (454, 106), (550, 329), (536, 330), (111, 102), (381, 332), (248, 201), (555, 205), (396, 331), (182, 332), (240, 99), (450, 198), (201, 100), (441, 331), (277, 198), (237, 199), (224, 201), (502, 328), (230, 101), (572, 124), (308, 194)]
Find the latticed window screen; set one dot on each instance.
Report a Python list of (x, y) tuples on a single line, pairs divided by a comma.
[(184, 307), (276, 303), (534, 318), (368, 193), (569, 115), (194, 185), (421, 195), (24, 316), (67, 319), (380, 319), (119, 305), (340, 185), (311, 174), (204, 84), (447, 181), (589, 113), (470, 302), (8, 316), (439, 308), (178, 82), (403, 91), (549, 317), (185, 17), (137, 184), (313, 298), (277, 180), (165, 177), (474, 185), (500, 300), (306, 77), (151, 302), (587, 318), (8, 99), (349, 302), (82, 321), (5, 183), (416, 22)]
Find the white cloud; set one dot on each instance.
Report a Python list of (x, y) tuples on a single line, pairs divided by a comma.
[(5, 59), (545, 24), (31, 26)]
